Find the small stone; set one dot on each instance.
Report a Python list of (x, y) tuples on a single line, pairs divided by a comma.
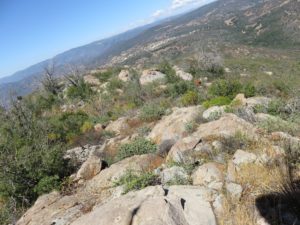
[(240, 98), (124, 76), (218, 204), (98, 128), (209, 175), (241, 158), (90, 168), (234, 190)]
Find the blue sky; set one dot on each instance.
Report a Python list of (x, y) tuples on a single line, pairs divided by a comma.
[(35, 30)]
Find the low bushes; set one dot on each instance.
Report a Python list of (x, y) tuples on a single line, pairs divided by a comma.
[(278, 124), (190, 98), (47, 184), (138, 146), (226, 88), (104, 76), (152, 112), (31, 164), (82, 91), (179, 88), (132, 181), (170, 73), (218, 101), (249, 90), (67, 126)]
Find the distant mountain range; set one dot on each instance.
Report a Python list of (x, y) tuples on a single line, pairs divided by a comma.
[(268, 23)]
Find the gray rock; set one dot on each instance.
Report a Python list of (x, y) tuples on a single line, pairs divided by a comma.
[(81, 154), (286, 141), (218, 205), (196, 205), (263, 102), (246, 113), (209, 175), (90, 168), (125, 76), (150, 76), (241, 157), (183, 205), (234, 190), (119, 126), (174, 174), (213, 113), (172, 127), (185, 150), (183, 75)]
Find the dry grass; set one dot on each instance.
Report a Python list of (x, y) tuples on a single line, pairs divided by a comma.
[(259, 179), (255, 180), (237, 214)]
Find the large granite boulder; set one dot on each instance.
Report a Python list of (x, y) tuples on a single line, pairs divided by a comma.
[(178, 206), (209, 175), (149, 76), (106, 178), (58, 209), (119, 126), (172, 127), (187, 149), (182, 74)]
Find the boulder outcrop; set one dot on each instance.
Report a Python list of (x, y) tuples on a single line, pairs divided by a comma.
[(172, 127), (185, 150), (149, 76)]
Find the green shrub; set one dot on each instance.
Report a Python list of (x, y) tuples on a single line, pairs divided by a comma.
[(5, 215), (206, 69), (47, 184), (170, 73), (216, 69), (43, 103), (249, 90), (190, 127), (9, 212), (106, 75), (188, 167), (86, 127), (151, 112), (218, 101), (226, 88), (29, 158), (277, 124), (281, 86), (179, 88), (132, 181), (275, 107), (190, 98), (68, 125), (114, 84), (82, 91), (144, 131), (139, 146), (178, 180), (133, 92)]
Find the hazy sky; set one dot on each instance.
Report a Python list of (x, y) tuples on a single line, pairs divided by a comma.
[(35, 30)]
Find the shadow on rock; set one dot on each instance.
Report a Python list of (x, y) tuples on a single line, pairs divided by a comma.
[(281, 208)]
